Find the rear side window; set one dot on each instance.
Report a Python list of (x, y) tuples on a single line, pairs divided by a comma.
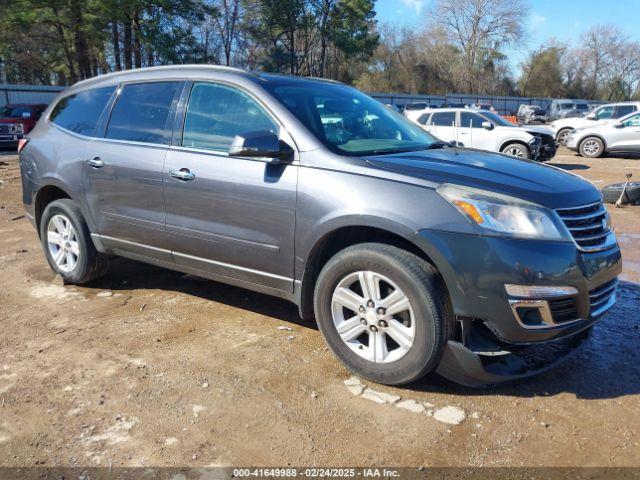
[(623, 110), (141, 112), (80, 112), (443, 119), (217, 113)]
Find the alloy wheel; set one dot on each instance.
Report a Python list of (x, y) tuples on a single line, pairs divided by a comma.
[(62, 242), (373, 317), (591, 147)]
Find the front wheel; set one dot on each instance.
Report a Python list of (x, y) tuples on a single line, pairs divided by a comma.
[(384, 312), (516, 150), (67, 243), (591, 147)]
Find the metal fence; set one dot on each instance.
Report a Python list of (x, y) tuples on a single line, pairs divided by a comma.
[(504, 105), (27, 94)]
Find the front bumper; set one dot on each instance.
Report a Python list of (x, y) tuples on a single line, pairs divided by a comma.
[(10, 138), (477, 268), (572, 142), (495, 342)]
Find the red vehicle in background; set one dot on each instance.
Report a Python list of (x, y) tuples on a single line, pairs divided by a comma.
[(17, 120)]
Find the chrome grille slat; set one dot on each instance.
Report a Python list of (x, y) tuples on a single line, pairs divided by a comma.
[(602, 298), (587, 225)]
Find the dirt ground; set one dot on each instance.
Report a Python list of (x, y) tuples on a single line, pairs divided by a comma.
[(151, 367)]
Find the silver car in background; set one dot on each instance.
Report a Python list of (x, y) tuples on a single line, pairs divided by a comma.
[(565, 108), (622, 135)]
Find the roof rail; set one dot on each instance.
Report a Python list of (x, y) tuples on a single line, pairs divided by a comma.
[(161, 67)]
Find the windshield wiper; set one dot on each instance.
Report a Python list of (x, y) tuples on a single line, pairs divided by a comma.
[(435, 145), (431, 146)]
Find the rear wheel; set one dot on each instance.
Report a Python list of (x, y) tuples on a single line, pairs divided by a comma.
[(67, 243), (516, 150), (591, 147), (383, 311)]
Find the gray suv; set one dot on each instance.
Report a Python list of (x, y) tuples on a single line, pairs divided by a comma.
[(414, 256)]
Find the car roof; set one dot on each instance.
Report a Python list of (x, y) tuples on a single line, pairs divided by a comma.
[(166, 72)]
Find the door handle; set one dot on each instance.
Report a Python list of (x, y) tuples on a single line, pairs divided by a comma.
[(182, 174), (96, 162)]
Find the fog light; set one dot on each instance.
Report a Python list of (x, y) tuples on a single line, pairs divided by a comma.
[(537, 291)]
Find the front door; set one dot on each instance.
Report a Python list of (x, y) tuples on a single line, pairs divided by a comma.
[(231, 217), (473, 135), (123, 172), (626, 138)]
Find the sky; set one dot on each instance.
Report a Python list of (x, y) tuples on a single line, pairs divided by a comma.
[(562, 19)]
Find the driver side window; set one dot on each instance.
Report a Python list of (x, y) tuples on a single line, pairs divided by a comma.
[(633, 121), (604, 112), (217, 113)]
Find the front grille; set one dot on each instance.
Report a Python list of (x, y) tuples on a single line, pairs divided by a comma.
[(563, 310), (548, 148), (603, 297), (4, 129), (588, 225)]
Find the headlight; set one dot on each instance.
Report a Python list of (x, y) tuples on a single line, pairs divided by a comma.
[(17, 128), (502, 215)]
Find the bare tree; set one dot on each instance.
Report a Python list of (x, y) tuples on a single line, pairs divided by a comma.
[(478, 28), (227, 22)]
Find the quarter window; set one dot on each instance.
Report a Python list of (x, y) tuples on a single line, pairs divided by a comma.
[(443, 119), (80, 112), (141, 112), (217, 113)]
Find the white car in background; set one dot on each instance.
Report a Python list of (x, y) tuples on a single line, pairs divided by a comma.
[(620, 135), (599, 116), (486, 130)]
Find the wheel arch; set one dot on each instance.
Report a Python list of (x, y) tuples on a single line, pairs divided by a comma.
[(44, 196), (338, 239), (519, 141)]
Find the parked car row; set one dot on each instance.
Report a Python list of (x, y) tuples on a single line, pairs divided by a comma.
[(485, 130), (600, 115)]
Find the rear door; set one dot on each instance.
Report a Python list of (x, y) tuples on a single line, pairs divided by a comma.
[(233, 217), (123, 170)]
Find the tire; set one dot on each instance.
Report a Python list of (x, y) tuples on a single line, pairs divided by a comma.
[(611, 193), (561, 137), (82, 262), (516, 150), (426, 319), (591, 147)]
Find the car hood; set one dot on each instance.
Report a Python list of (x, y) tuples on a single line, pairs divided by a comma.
[(524, 179), (537, 129)]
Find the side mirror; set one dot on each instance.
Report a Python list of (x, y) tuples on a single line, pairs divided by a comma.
[(618, 125), (487, 125), (261, 144), (591, 116)]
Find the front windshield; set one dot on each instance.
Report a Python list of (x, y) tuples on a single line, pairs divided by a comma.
[(14, 112), (497, 119), (348, 121)]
